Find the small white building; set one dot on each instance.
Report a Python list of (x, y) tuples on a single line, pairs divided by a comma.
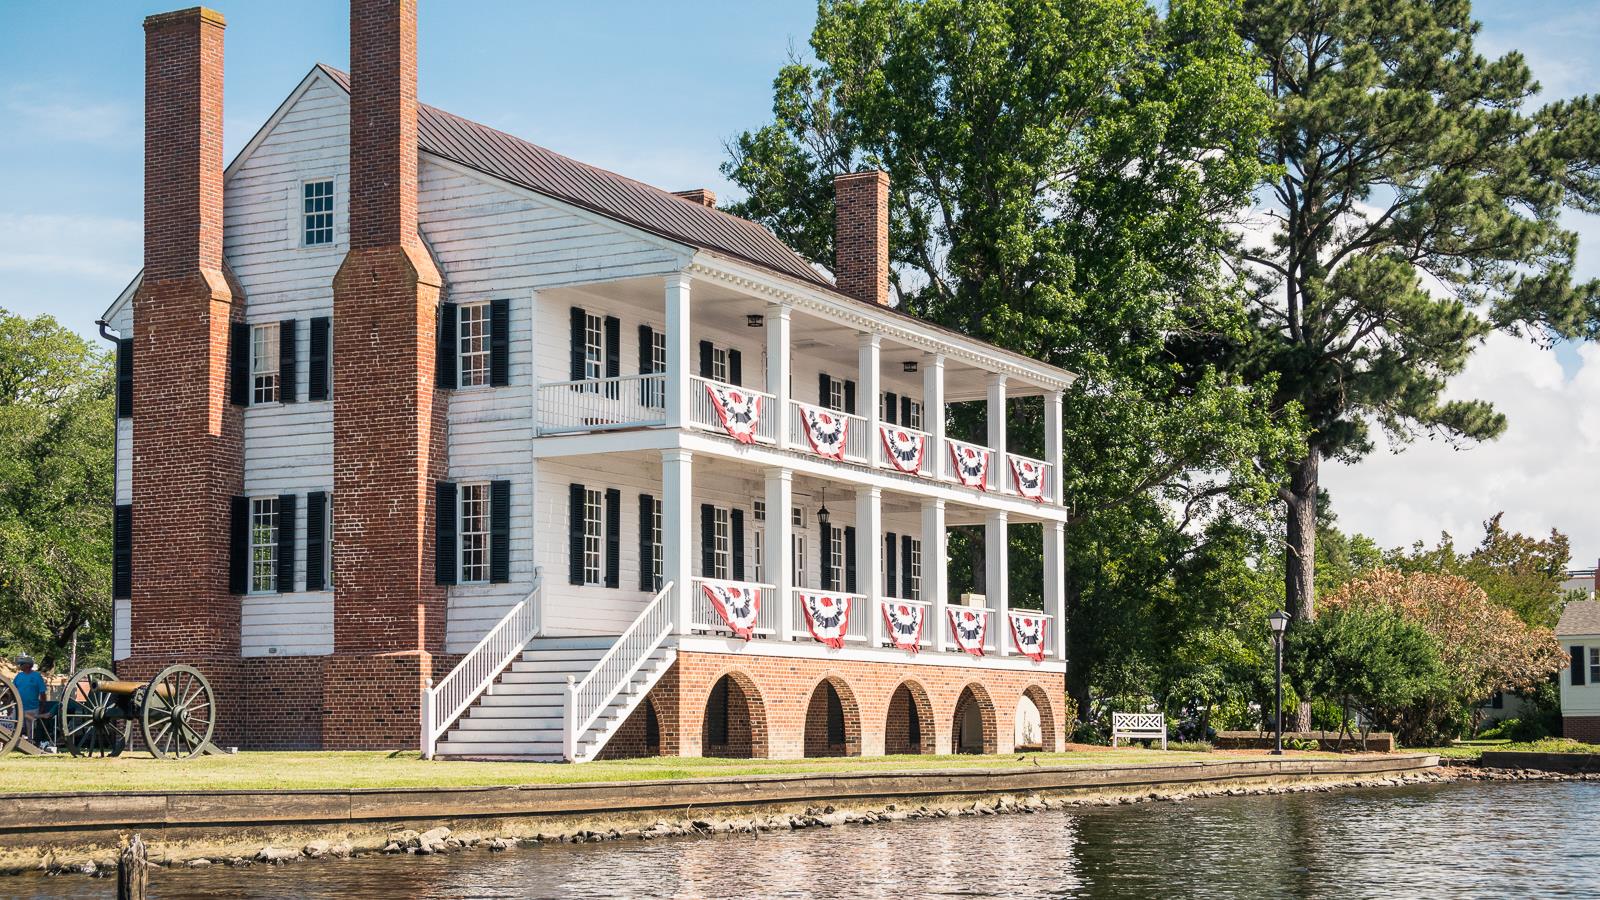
[(1579, 634)]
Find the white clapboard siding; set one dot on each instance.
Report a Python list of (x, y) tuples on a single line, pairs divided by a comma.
[(124, 461), (121, 624), (294, 623)]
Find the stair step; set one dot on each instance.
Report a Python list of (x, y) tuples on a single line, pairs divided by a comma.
[(466, 733), (544, 750), (534, 654), (601, 642), (552, 712)]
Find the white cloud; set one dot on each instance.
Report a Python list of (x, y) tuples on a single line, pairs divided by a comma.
[(38, 113), (1541, 472), (94, 246)]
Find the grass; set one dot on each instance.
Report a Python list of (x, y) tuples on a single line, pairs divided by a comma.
[(293, 770), (1475, 749)]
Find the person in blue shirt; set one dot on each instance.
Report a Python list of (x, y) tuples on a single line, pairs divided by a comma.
[(30, 684)]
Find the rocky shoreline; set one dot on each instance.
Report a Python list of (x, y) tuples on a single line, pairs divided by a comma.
[(529, 833)]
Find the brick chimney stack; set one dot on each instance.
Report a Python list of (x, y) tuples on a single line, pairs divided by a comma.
[(702, 196), (861, 235), (187, 438), (389, 421)]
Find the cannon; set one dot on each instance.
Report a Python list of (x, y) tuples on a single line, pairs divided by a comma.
[(176, 712), (10, 716)]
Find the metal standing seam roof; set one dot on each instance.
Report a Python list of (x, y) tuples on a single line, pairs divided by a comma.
[(617, 197)]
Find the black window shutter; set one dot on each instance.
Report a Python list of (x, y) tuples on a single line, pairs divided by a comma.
[(286, 542), (445, 364), (499, 342), (891, 402), (735, 367), (736, 525), (906, 581), (647, 544), (850, 397), (708, 541), (580, 343), (288, 384), (316, 539), (705, 359), (889, 565), (239, 363), (575, 502), (122, 551), (850, 559), (125, 378), (613, 538), (824, 390), (613, 337), (827, 560), (499, 532), (1578, 665), (647, 355), (905, 413), (444, 518), (239, 541), (319, 374)]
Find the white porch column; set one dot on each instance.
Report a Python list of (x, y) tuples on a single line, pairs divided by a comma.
[(997, 577), (933, 411), (677, 531), (935, 571), (1055, 587), (778, 368), (868, 394), (997, 433), (776, 559), (1052, 443), (679, 366), (869, 558)]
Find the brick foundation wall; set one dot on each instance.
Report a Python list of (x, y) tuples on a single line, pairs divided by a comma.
[(632, 739), (779, 696), (1581, 728), (861, 235)]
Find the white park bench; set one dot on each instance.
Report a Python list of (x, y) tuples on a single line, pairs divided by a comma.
[(1139, 726)]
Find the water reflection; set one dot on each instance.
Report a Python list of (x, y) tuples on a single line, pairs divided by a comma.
[(1470, 840)]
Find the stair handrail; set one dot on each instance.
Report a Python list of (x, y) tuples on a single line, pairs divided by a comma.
[(443, 704), (615, 669)]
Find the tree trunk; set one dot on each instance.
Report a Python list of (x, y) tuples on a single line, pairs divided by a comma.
[(1077, 654), (1300, 552)]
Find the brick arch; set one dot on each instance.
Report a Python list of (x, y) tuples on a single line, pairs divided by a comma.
[(975, 695), (1047, 716), (817, 740), (639, 735), (909, 725), (744, 732)]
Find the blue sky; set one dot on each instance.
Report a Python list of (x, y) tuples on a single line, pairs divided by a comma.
[(653, 90)]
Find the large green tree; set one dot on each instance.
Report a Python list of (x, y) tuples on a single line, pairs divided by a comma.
[(56, 440), (1060, 172), (1520, 572), (1414, 207)]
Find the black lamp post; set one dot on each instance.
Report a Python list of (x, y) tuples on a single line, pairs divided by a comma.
[(1279, 621), (824, 521)]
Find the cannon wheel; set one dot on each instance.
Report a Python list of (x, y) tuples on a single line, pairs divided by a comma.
[(92, 723), (10, 717), (179, 712)]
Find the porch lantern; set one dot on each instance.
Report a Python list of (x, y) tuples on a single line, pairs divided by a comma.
[(755, 320)]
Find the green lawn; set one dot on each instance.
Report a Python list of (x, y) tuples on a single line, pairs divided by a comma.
[(1475, 749), (377, 769)]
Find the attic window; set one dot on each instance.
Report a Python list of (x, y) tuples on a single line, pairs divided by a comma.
[(317, 211)]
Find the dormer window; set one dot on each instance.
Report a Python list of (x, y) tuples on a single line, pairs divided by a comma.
[(317, 212)]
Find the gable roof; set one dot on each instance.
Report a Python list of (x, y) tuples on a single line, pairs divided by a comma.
[(1579, 617), (614, 196)]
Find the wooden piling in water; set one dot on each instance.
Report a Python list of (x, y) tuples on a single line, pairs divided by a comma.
[(133, 870)]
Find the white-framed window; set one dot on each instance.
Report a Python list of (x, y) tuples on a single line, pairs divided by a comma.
[(658, 566), (594, 536), (316, 212), (797, 519), (473, 540), (914, 562), (264, 363), (655, 391), (327, 543), (836, 395), (263, 545), (797, 560), (719, 364), (759, 510), (913, 415), (721, 544), (472, 343), (1594, 665), (836, 557), (758, 537), (594, 347)]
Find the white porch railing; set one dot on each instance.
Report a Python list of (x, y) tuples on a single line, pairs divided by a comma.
[(703, 616), (587, 699), (600, 404), (988, 626), (928, 626), (1049, 633), (1046, 480), (704, 412), (444, 703), (856, 439), (856, 630), (928, 449)]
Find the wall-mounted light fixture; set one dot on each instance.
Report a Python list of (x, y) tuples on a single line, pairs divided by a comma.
[(755, 320), (909, 365)]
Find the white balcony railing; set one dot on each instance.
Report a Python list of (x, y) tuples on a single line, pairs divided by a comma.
[(1046, 478), (929, 627), (857, 442), (1049, 631), (704, 617), (602, 404), (988, 627), (928, 450), (857, 628), (704, 415)]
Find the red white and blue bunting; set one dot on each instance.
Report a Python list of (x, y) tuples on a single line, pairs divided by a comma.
[(739, 410), (905, 624), (905, 448), (737, 604), (826, 430), (1030, 478), (827, 617), (1027, 630), (967, 627), (972, 464)]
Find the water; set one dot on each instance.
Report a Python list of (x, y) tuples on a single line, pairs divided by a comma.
[(1492, 840)]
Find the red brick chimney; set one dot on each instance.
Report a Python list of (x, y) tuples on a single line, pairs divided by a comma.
[(702, 196), (187, 438), (389, 427), (861, 235)]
